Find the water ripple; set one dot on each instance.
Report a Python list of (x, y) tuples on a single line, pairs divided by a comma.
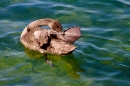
[(125, 2), (102, 56)]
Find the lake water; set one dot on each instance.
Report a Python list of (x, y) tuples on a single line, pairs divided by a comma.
[(101, 59)]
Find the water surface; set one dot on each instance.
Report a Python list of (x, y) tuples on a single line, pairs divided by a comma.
[(101, 59)]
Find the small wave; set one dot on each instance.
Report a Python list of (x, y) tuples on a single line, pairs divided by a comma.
[(127, 2)]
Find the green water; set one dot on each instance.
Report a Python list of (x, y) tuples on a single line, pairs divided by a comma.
[(101, 59)]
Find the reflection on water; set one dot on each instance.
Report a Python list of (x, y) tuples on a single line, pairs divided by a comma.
[(101, 59), (64, 64)]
